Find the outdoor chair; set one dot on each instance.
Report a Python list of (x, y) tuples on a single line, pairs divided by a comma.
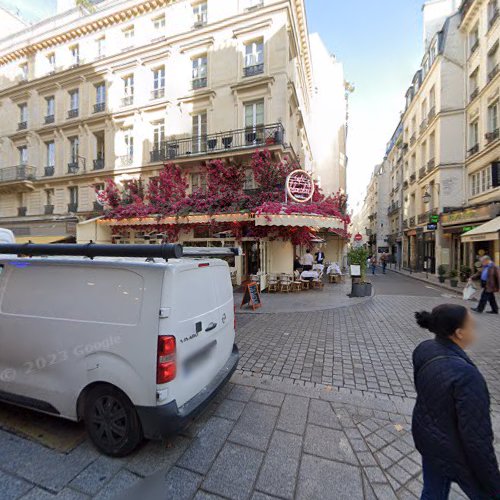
[(285, 284), (273, 284)]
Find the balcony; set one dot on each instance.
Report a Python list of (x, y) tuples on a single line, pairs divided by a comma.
[(198, 83), (73, 167), (421, 173), (255, 70), (413, 178), (411, 222), (474, 94), (99, 107), (413, 139), (99, 163), (405, 184), (72, 207), (49, 119), (98, 207), (432, 113), (493, 73), (72, 113), (393, 208), (48, 209), (491, 136), (125, 160), (431, 164), (473, 150), (405, 224), (493, 18), (423, 126), (17, 179), (21, 211), (48, 171), (423, 218), (242, 139), (155, 94), (22, 125), (128, 101)]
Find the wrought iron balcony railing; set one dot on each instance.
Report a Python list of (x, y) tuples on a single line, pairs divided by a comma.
[(413, 139), (158, 93), (473, 150), (423, 218), (423, 125), (474, 47), (99, 107), (493, 18), (431, 164), (411, 221), (99, 164), (17, 173), (21, 211), (413, 178), (474, 94), (493, 73), (199, 83), (49, 119), (432, 113), (128, 101), (257, 69), (48, 209), (492, 136), (247, 138), (73, 207), (22, 125), (73, 167), (421, 173), (48, 171), (72, 113)]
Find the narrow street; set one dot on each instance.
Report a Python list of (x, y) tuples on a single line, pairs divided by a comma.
[(319, 408)]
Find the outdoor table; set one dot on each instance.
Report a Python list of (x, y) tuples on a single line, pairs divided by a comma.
[(334, 269), (309, 275), (318, 267)]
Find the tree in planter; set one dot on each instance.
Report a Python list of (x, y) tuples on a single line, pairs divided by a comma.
[(358, 257), (453, 278), (442, 273)]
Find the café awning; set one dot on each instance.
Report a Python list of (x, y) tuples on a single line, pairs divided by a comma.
[(486, 232), (299, 220)]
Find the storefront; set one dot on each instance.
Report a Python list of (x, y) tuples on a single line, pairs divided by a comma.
[(59, 229), (456, 224), (485, 239)]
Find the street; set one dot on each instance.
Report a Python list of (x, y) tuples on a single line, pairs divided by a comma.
[(319, 408)]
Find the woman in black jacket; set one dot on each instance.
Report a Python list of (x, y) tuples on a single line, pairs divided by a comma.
[(451, 420)]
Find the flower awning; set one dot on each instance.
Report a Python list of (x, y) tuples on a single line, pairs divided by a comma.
[(299, 220)]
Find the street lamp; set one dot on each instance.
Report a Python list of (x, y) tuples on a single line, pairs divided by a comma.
[(427, 197)]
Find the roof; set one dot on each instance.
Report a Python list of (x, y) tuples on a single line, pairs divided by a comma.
[(486, 232)]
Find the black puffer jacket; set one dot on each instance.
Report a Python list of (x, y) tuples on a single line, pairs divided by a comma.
[(451, 420)]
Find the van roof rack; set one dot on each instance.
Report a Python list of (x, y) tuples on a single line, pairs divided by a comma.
[(164, 251)]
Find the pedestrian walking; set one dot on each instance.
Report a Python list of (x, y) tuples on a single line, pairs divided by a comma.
[(320, 257), (489, 275), (373, 263), (451, 419), (383, 259)]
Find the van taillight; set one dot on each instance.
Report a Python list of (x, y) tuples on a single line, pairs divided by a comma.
[(166, 368)]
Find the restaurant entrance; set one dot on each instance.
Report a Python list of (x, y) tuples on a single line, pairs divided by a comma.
[(251, 259)]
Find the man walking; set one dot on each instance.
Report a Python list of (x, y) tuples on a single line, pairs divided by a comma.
[(383, 259), (489, 275), (373, 263)]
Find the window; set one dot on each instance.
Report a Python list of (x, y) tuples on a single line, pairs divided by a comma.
[(75, 55), (200, 14), (492, 62), (158, 135), (474, 39), (128, 90), (74, 147), (159, 22), (74, 100), (159, 83), (23, 155), (199, 74), (254, 58), (432, 146), (473, 136), (198, 182), (50, 108), (199, 132), (49, 197), (253, 4), (254, 121), (23, 114), (73, 198), (51, 154), (128, 35), (492, 12), (128, 139), (481, 181), (23, 69), (101, 47), (474, 84), (51, 61), (249, 179)]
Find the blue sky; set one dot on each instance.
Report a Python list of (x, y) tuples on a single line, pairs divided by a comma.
[(380, 44)]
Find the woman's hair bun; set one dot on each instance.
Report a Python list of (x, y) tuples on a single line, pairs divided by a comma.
[(424, 319)]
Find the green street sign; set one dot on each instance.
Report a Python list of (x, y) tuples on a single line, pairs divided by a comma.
[(434, 219)]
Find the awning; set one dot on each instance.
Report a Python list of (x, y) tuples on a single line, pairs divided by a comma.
[(42, 240), (299, 220), (485, 232)]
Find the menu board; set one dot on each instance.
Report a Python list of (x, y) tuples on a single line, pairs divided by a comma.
[(251, 296)]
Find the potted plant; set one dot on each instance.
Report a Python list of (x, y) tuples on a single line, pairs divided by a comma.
[(358, 257), (453, 278), (465, 273), (441, 273)]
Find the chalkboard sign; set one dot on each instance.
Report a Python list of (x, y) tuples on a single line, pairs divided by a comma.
[(251, 296)]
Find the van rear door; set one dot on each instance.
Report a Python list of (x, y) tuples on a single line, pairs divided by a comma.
[(202, 320)]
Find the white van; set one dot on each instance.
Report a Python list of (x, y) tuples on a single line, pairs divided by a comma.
[(134, 348)]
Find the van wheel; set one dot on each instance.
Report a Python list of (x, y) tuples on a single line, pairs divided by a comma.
[(112, 422)]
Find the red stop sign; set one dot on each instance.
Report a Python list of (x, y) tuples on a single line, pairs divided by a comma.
[(358, 237)]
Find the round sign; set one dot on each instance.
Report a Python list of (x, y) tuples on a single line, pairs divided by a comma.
[(358, 237), (300, 186)]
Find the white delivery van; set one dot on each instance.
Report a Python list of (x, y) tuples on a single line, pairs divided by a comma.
[(135, 348)]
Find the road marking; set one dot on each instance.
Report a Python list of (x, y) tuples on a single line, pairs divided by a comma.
[(431, 287)]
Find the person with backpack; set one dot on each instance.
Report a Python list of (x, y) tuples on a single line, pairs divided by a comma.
[(451, 423), (489, 275)]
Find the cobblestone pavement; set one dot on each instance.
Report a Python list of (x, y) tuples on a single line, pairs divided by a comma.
[(320, 409)]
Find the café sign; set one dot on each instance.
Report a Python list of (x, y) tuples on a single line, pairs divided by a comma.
[(469, 215), (300, 186)]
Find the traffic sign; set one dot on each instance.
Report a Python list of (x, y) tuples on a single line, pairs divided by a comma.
[(358, 237)]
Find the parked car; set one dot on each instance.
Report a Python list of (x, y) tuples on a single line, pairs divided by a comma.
[(134, 348)]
